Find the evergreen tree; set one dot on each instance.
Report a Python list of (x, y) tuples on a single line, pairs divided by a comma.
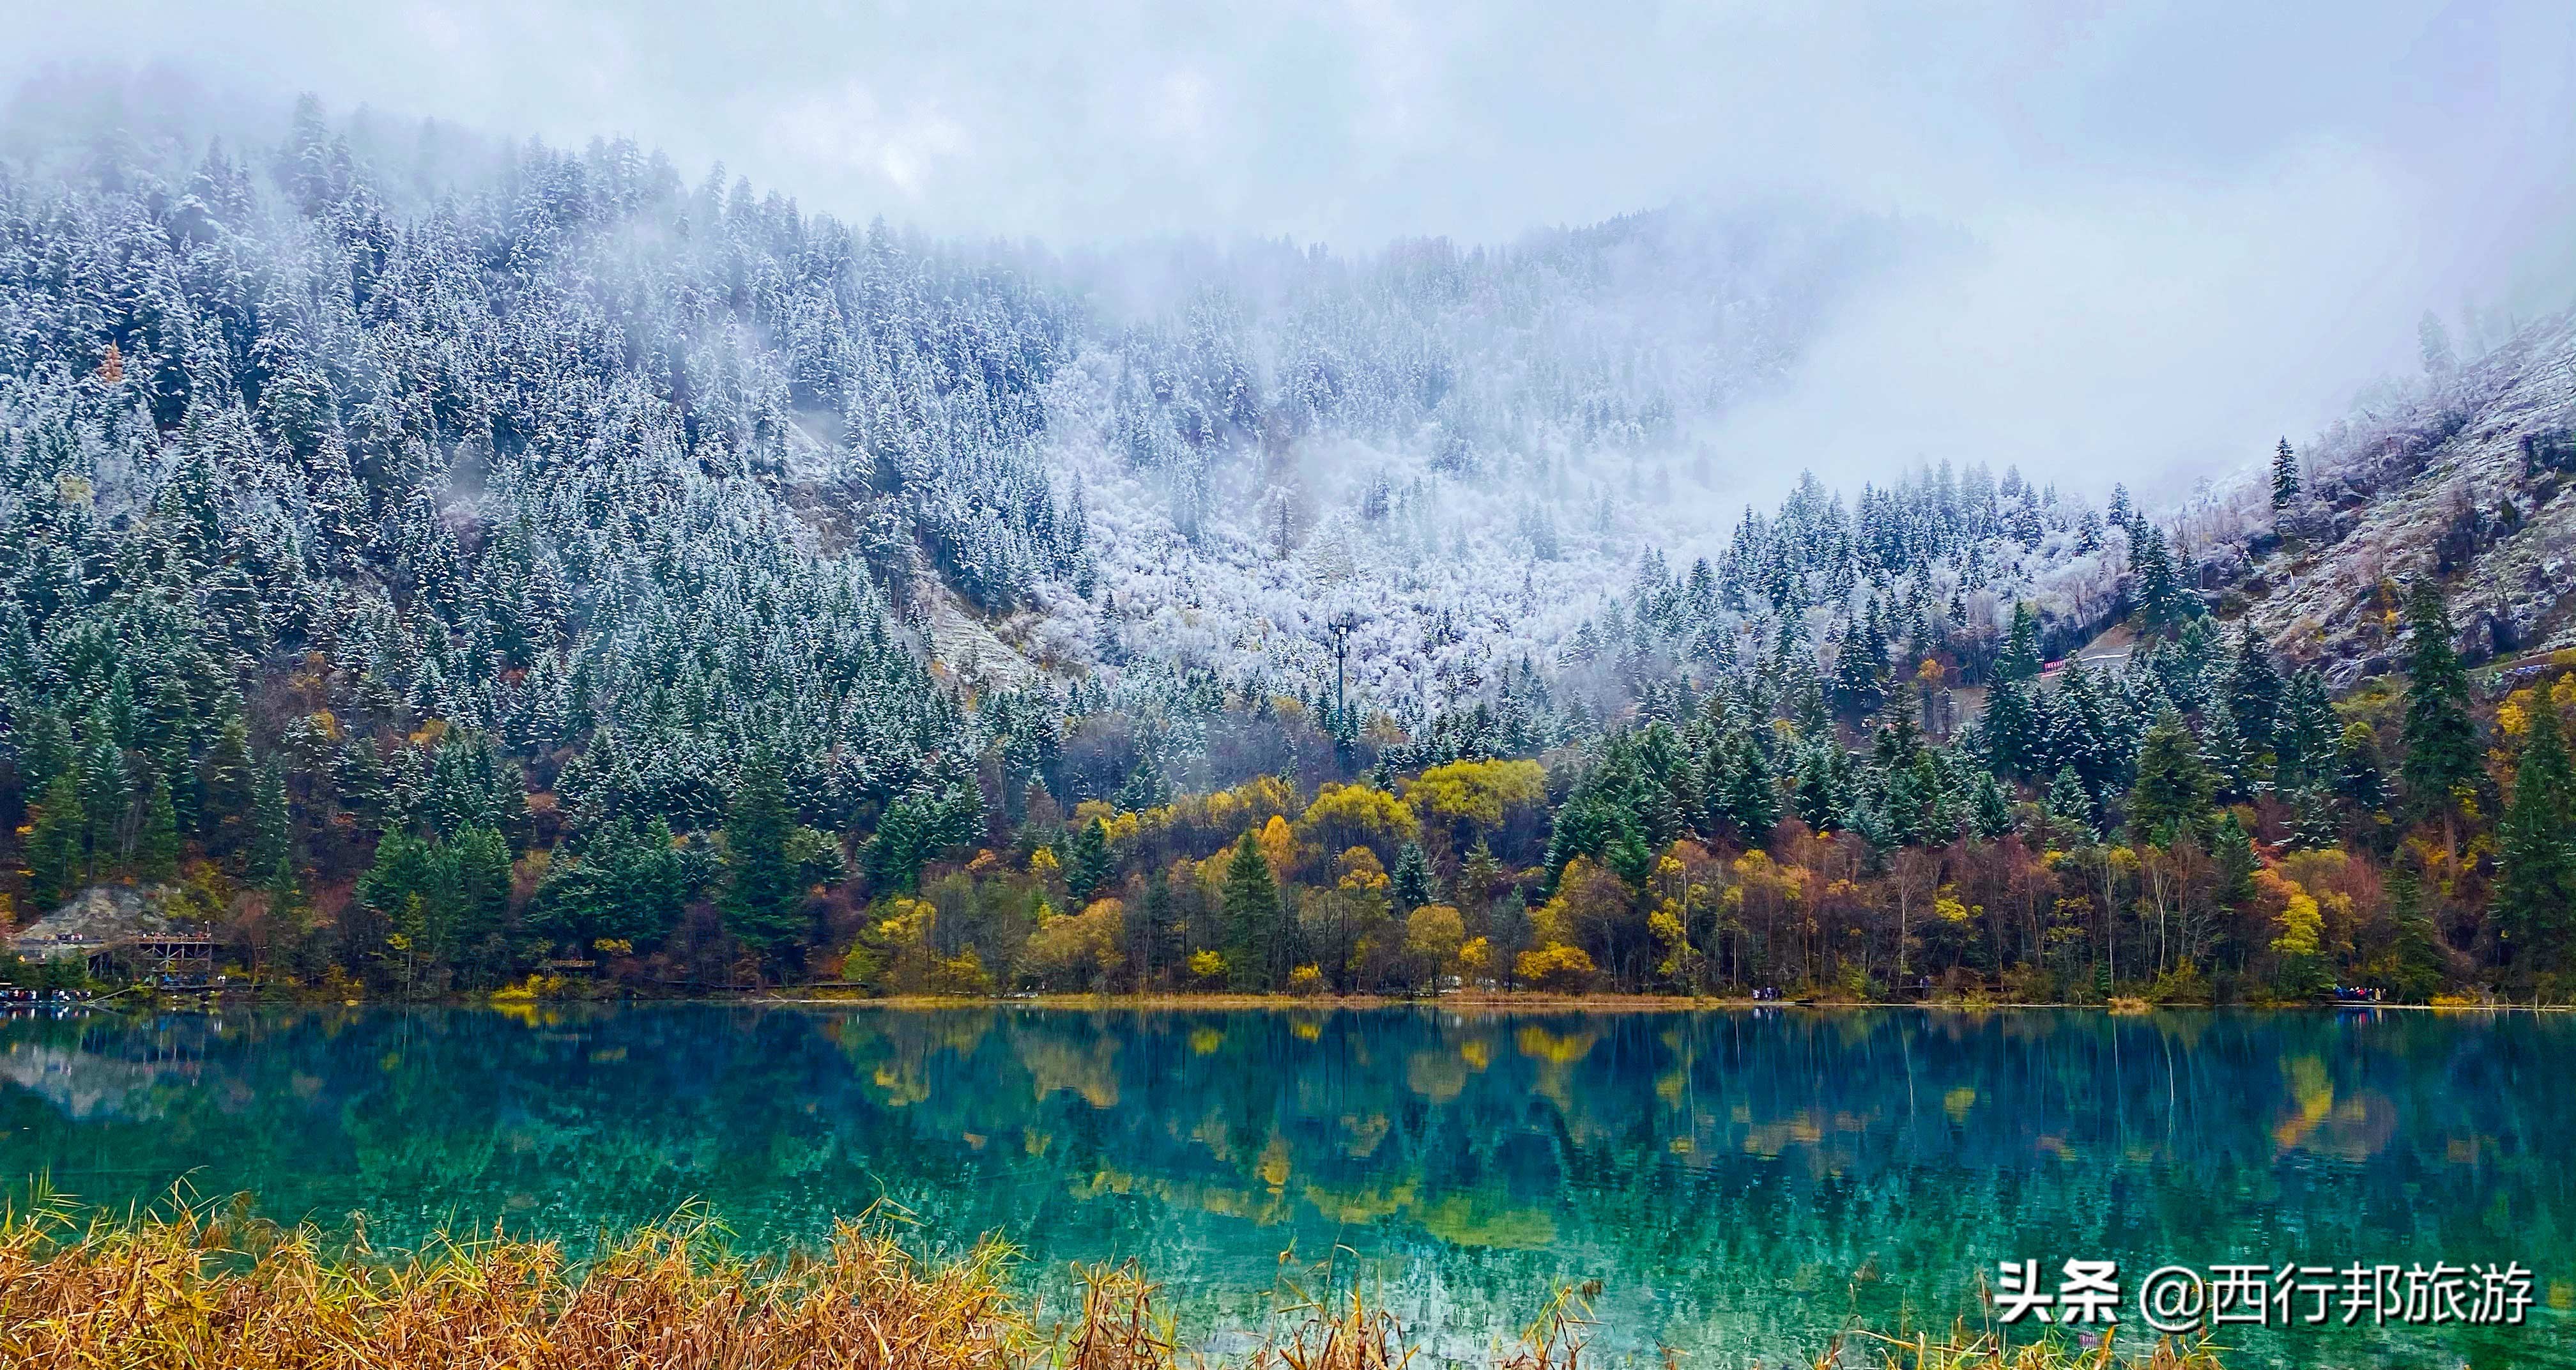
[(1086, 862), (478, 861), (2312, 822), (1819, 799), (2285, 478), (2442, 760), (2235, 771), (1860, 670), (2254, 691), (2172, 792), (286, 904), (272, 825), (54, 856), (1410, 882), (764, 899), (1752, 796), (1252, 918), (107, 797), (1990, 814), (2020, 660), (2535, 906), (43, 747), (2305, 740), (226, 779), (2233, 848), (2357, 774), (2162, 600), (2070, 806), (156, 845), (2010, 728)]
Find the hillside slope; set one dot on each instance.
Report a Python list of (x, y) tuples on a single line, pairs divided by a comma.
[(2466, 479)]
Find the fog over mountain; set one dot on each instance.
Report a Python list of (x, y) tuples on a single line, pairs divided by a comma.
[(2190, 227)]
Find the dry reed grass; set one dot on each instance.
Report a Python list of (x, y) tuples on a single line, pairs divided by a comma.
[(204, 1287)]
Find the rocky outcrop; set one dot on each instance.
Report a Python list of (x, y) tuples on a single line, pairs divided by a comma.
[(2472, 481), (99, 916)]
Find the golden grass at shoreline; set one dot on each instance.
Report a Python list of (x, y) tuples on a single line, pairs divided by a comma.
[(211, 1288)]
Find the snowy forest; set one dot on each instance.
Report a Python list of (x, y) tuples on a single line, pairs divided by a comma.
[(443, 567)]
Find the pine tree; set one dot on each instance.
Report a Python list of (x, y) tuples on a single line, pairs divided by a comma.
[(1752, 796), (54, 854), (2235, 772), (479, 863), (2305, 740), (2254, 691), (1086, 862), (286, 904), (1251, 918), (2285, 477), (1819, 799), (2233, 848), (1990, 814), (43, 745), (2020, 659), (2535, 905), (2069, 805), (226, 780), (2172, 792), (272, 825), (2010, 727), (764, 900), (2312, 822), (1860, 685), (2441, 739), (156, 845), (2162, 601), (2358, 777), (1410, 882)]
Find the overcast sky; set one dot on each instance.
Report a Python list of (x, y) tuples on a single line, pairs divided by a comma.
[(2245, 203)]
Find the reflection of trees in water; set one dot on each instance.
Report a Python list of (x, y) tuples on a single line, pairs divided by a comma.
[(1728, 1175)]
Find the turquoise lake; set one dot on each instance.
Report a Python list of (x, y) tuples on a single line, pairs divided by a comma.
[(1742, 1183)]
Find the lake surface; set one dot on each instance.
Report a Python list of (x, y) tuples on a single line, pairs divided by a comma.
[(1741, 1182)]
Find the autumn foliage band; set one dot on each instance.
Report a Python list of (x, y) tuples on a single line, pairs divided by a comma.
[(2412, 842)]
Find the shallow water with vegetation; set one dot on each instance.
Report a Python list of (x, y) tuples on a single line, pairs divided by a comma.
[(1740, 1181)]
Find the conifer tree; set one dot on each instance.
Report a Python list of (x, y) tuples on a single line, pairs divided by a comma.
[(2441, 739), (764, 899), (2254, 691), (479, 865), (2233, 848), (55, 858), (226, 778), (2357, 773), (2172, 792), (272, 826), (2010, 727), (2312, 822), (2020, 659), (1819, 799), (1086, 862), (156, 844), (2069, 805), (1252, 918), (2535, 905), (1752, 796), (1410, 882), (2285, 477), (2305, 740), (1990, 814)]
